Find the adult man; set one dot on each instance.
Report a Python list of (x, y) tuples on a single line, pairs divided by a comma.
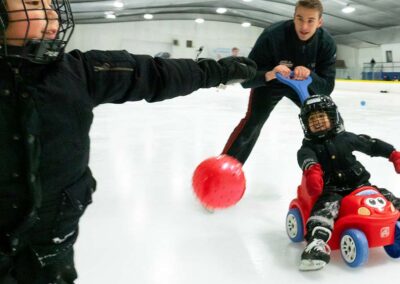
[(234, 51), (299, 45)]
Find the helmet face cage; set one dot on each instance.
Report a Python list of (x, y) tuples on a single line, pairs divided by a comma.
[(325, 104), (38, 50), (3, 19)]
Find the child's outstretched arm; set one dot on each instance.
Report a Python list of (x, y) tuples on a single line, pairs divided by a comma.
[(118, 76), (376, 148)]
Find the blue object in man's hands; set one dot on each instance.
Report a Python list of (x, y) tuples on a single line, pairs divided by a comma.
[(300, 86)]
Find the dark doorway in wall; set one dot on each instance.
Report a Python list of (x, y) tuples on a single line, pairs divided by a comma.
[(389, 56)]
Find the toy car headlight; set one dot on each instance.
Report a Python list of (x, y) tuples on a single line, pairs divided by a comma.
[(364, 211)]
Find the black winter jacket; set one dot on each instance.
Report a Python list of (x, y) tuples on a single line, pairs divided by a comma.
[(335, 154), (279, 44), (45, 118)]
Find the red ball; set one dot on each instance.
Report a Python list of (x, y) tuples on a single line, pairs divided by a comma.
[(219, 182)]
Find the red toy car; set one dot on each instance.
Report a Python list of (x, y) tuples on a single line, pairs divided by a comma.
[(366, 219)]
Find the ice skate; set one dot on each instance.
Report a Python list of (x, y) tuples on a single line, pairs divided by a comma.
[(317, 253)]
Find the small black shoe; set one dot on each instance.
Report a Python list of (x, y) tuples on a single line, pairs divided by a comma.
[(317, 253)]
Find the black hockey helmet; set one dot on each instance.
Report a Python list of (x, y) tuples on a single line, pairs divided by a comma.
[(325, 104), (38, 50)]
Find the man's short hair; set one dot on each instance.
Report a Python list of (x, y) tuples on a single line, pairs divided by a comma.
[(311, 4)]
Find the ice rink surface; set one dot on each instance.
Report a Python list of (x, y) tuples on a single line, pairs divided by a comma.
[(146, 226)]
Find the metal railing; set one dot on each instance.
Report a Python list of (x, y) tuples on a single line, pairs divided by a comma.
[(381, 71)]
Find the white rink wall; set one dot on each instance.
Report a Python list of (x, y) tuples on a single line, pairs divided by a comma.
[(217, 38), (368, 86), (155, 36)]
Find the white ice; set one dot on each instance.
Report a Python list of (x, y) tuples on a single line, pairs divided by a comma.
[(146, 226)]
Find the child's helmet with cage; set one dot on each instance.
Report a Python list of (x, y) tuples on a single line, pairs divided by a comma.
[(38, 50), (319, 103)]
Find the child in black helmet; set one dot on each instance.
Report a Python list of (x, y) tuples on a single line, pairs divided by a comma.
[(332, 171), (46, 108)]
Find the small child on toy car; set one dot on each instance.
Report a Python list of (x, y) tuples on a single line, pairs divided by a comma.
[(331, 171)]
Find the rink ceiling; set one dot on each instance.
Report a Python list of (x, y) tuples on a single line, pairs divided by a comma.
[(372, 24)]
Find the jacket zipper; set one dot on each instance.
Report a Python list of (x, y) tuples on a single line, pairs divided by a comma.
[(107, 67)]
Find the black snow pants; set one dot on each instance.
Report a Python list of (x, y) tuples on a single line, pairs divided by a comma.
[(262, 101)]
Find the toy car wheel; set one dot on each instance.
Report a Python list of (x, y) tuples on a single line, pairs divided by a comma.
[(294, 225), (393, 250), (354, 247)]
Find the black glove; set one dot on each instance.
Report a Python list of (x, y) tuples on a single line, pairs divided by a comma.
[(227, 70), (237, 69)]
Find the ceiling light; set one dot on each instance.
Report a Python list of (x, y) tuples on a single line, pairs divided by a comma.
[(247, 0), (199, 20), (118, 4), (246, 24), (221, 10), (348, 9), (110, 15), (148, 16)]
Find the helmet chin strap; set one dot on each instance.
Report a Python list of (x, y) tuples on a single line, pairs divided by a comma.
[(43, 51), (322, 133), (37, 51)]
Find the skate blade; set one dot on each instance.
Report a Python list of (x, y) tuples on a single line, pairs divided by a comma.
[(310, 265)]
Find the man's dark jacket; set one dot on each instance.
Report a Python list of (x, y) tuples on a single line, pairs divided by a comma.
[(279, 44)]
